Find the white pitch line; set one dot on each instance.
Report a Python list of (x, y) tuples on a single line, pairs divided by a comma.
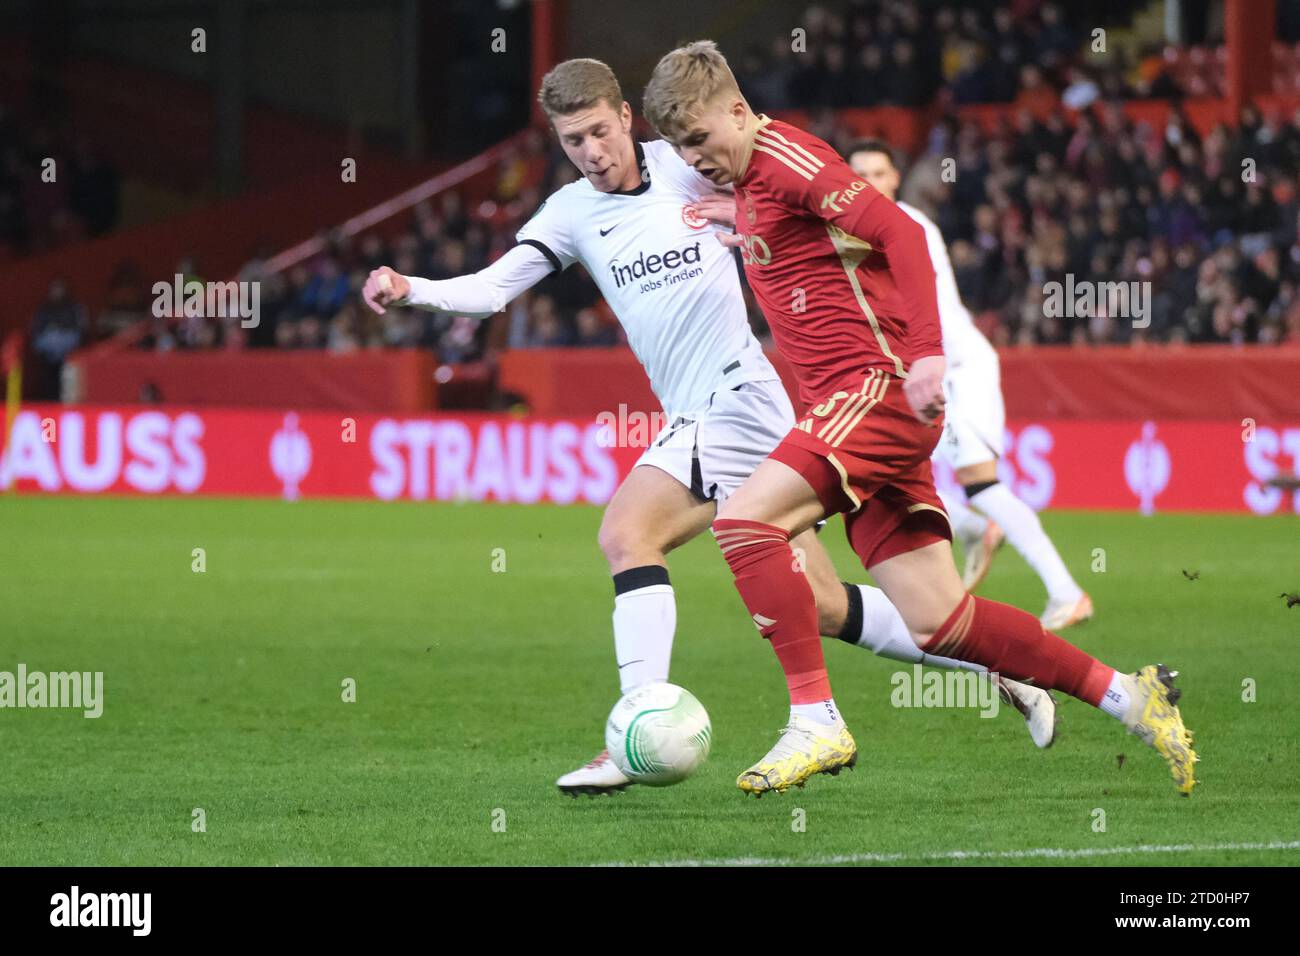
[(1055, 853)]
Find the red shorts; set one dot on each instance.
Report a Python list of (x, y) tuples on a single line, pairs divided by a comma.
[(865, 454)]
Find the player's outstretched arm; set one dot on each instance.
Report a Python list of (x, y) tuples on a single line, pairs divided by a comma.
[(476, 295)]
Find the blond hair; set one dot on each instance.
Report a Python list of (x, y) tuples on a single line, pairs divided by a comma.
[(578, 85), (683, 83)]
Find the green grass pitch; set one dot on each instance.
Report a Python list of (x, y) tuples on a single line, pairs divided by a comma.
[(476, 688)]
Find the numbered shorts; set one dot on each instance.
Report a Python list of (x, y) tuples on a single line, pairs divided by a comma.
[(714, 451), (866, 455), (976, 416)]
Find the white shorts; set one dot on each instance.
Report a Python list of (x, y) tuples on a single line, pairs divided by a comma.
[(975, 417), (716, 451)]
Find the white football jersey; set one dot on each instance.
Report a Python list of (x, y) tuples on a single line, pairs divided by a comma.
[(960, 336), (674, 287)]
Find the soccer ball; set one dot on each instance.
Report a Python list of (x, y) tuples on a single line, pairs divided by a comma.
[(658, 734)]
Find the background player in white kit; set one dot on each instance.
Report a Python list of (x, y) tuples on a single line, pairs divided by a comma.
[(976, 417), (676, 291)]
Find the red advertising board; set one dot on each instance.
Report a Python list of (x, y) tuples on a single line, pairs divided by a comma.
[(1117, 465)]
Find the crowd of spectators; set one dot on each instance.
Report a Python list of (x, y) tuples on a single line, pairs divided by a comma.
[(864, 53), (1208, 224), (316, 304)]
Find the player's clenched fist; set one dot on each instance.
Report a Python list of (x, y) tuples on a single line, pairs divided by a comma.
[(924, 387), (383, 288)]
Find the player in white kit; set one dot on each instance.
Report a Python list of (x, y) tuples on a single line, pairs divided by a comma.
[(974, 425), (676, 291)]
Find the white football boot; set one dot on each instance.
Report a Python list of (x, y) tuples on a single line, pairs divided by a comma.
[(979, 552), (600, 776), (1035, 705), (1062, 614)]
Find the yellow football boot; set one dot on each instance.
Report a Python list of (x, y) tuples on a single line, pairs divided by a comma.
[(1153, 716), (805, 748)]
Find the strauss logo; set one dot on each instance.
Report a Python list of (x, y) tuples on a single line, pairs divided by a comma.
[(290, 456), (1147, 467)]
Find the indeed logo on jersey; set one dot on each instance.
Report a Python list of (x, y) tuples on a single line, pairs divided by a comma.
[(837, 199), (645, 267)]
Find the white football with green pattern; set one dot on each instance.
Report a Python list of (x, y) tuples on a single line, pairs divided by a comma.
[(658, 734)]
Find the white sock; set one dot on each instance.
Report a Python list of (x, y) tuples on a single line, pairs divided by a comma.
[(966, 524), (824, 712), (885, 634), (1026, 534), (1117, 697), (644, 622)]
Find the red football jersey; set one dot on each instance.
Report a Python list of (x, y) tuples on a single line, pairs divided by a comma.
[(842, 274)]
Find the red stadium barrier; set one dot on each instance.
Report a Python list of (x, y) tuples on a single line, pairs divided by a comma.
[(363, 381), (1150, 466), (177, 450), (1127, 466), (1111, 382)]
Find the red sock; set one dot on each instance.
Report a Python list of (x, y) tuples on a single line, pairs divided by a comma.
[(1015, 644), (781, 601)]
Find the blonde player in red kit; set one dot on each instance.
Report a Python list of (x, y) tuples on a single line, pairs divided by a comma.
[(846, 283)]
